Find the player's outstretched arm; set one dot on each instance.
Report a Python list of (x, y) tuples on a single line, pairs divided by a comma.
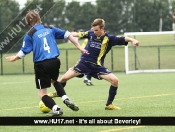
[(12, 58), (74, 34), (135, 42), (72, 39)]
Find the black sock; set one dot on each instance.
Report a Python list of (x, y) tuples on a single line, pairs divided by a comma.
[(112, 93), (49, 102), (63, 84), (59, 89)]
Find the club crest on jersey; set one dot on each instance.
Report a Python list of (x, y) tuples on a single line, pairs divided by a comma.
[(91, 38)]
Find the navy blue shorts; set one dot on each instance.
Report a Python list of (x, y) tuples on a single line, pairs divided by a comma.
[(88, 68)]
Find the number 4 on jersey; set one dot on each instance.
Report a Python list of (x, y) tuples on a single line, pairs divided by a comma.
[(46, 46)]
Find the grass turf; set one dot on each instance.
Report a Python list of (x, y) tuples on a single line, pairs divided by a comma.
[(144, 94)]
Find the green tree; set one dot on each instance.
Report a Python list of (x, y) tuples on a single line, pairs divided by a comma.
[(8, 12), (73, 13), (149, 13), (116, 14), (89, 11)]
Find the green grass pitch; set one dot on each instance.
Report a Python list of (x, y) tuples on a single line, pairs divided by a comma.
[(144, 94)]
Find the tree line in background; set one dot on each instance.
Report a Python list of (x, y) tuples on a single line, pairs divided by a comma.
[(120, 16)]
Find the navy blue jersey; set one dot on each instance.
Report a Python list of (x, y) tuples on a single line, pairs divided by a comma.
[(98, 47), (85, 43), (41, 40)]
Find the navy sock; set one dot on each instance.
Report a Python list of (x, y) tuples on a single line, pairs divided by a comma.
[(112, 93), (88, 77), (59, 88), (49, 102)]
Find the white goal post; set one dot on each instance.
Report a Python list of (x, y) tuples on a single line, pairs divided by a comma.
[(150, 58)]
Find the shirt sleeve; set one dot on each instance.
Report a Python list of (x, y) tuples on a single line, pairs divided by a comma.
[(83, 34), (115, 40), (60, 34), (26, 47)]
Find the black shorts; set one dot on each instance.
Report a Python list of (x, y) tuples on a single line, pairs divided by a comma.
[(45, 71)]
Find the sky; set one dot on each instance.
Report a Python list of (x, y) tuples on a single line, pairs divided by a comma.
[(22, 2)]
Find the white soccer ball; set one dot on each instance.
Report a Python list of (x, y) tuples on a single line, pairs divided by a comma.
[(43, 108)]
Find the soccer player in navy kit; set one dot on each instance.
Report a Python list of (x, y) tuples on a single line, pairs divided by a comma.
[(41, 40), (87, 79), (99, 44)]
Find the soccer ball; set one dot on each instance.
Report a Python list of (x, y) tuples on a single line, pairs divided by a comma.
[(43, 108)]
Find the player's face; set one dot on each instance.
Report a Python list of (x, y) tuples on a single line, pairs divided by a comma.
[(98, 31)]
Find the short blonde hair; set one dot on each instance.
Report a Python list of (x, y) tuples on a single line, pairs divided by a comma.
[(32, 17), (98, 22)]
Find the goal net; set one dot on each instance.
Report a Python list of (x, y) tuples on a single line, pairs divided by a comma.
[(155, 53)]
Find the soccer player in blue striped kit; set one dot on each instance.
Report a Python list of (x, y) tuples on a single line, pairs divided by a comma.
[(99, 44), (41, 40)]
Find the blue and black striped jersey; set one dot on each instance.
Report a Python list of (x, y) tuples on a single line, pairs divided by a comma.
[(98, 47), (41, 40)]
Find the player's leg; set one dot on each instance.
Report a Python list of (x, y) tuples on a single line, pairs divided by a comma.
[(58, 87), (49, 102), (66, 100), (42, 80), (112, 90), (88, 77), (87, 80), (67, 76), (70, 74), (173, 25), (55, 74), (79, 70)]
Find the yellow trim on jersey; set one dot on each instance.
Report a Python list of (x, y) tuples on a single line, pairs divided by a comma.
[(104, 45), (91, 62), (82, 34), (85, 43)]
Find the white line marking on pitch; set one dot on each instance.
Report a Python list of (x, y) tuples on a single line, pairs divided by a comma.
[(152, 96), (14, 82), (120, 129)]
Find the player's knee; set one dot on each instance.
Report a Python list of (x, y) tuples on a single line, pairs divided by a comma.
[(63, 80), (115, 82), (41, 95), (42, 92)]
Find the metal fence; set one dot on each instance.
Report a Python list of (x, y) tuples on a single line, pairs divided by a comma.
[(148, 57)]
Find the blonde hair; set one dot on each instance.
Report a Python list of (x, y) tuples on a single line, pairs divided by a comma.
[(32, 18), (98, 22)]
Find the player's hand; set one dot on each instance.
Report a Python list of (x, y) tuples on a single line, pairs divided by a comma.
[(11, 58), (83, 51), (135, 42)]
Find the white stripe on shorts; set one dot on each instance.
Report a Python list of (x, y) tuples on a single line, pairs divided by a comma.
[(39, 83)]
